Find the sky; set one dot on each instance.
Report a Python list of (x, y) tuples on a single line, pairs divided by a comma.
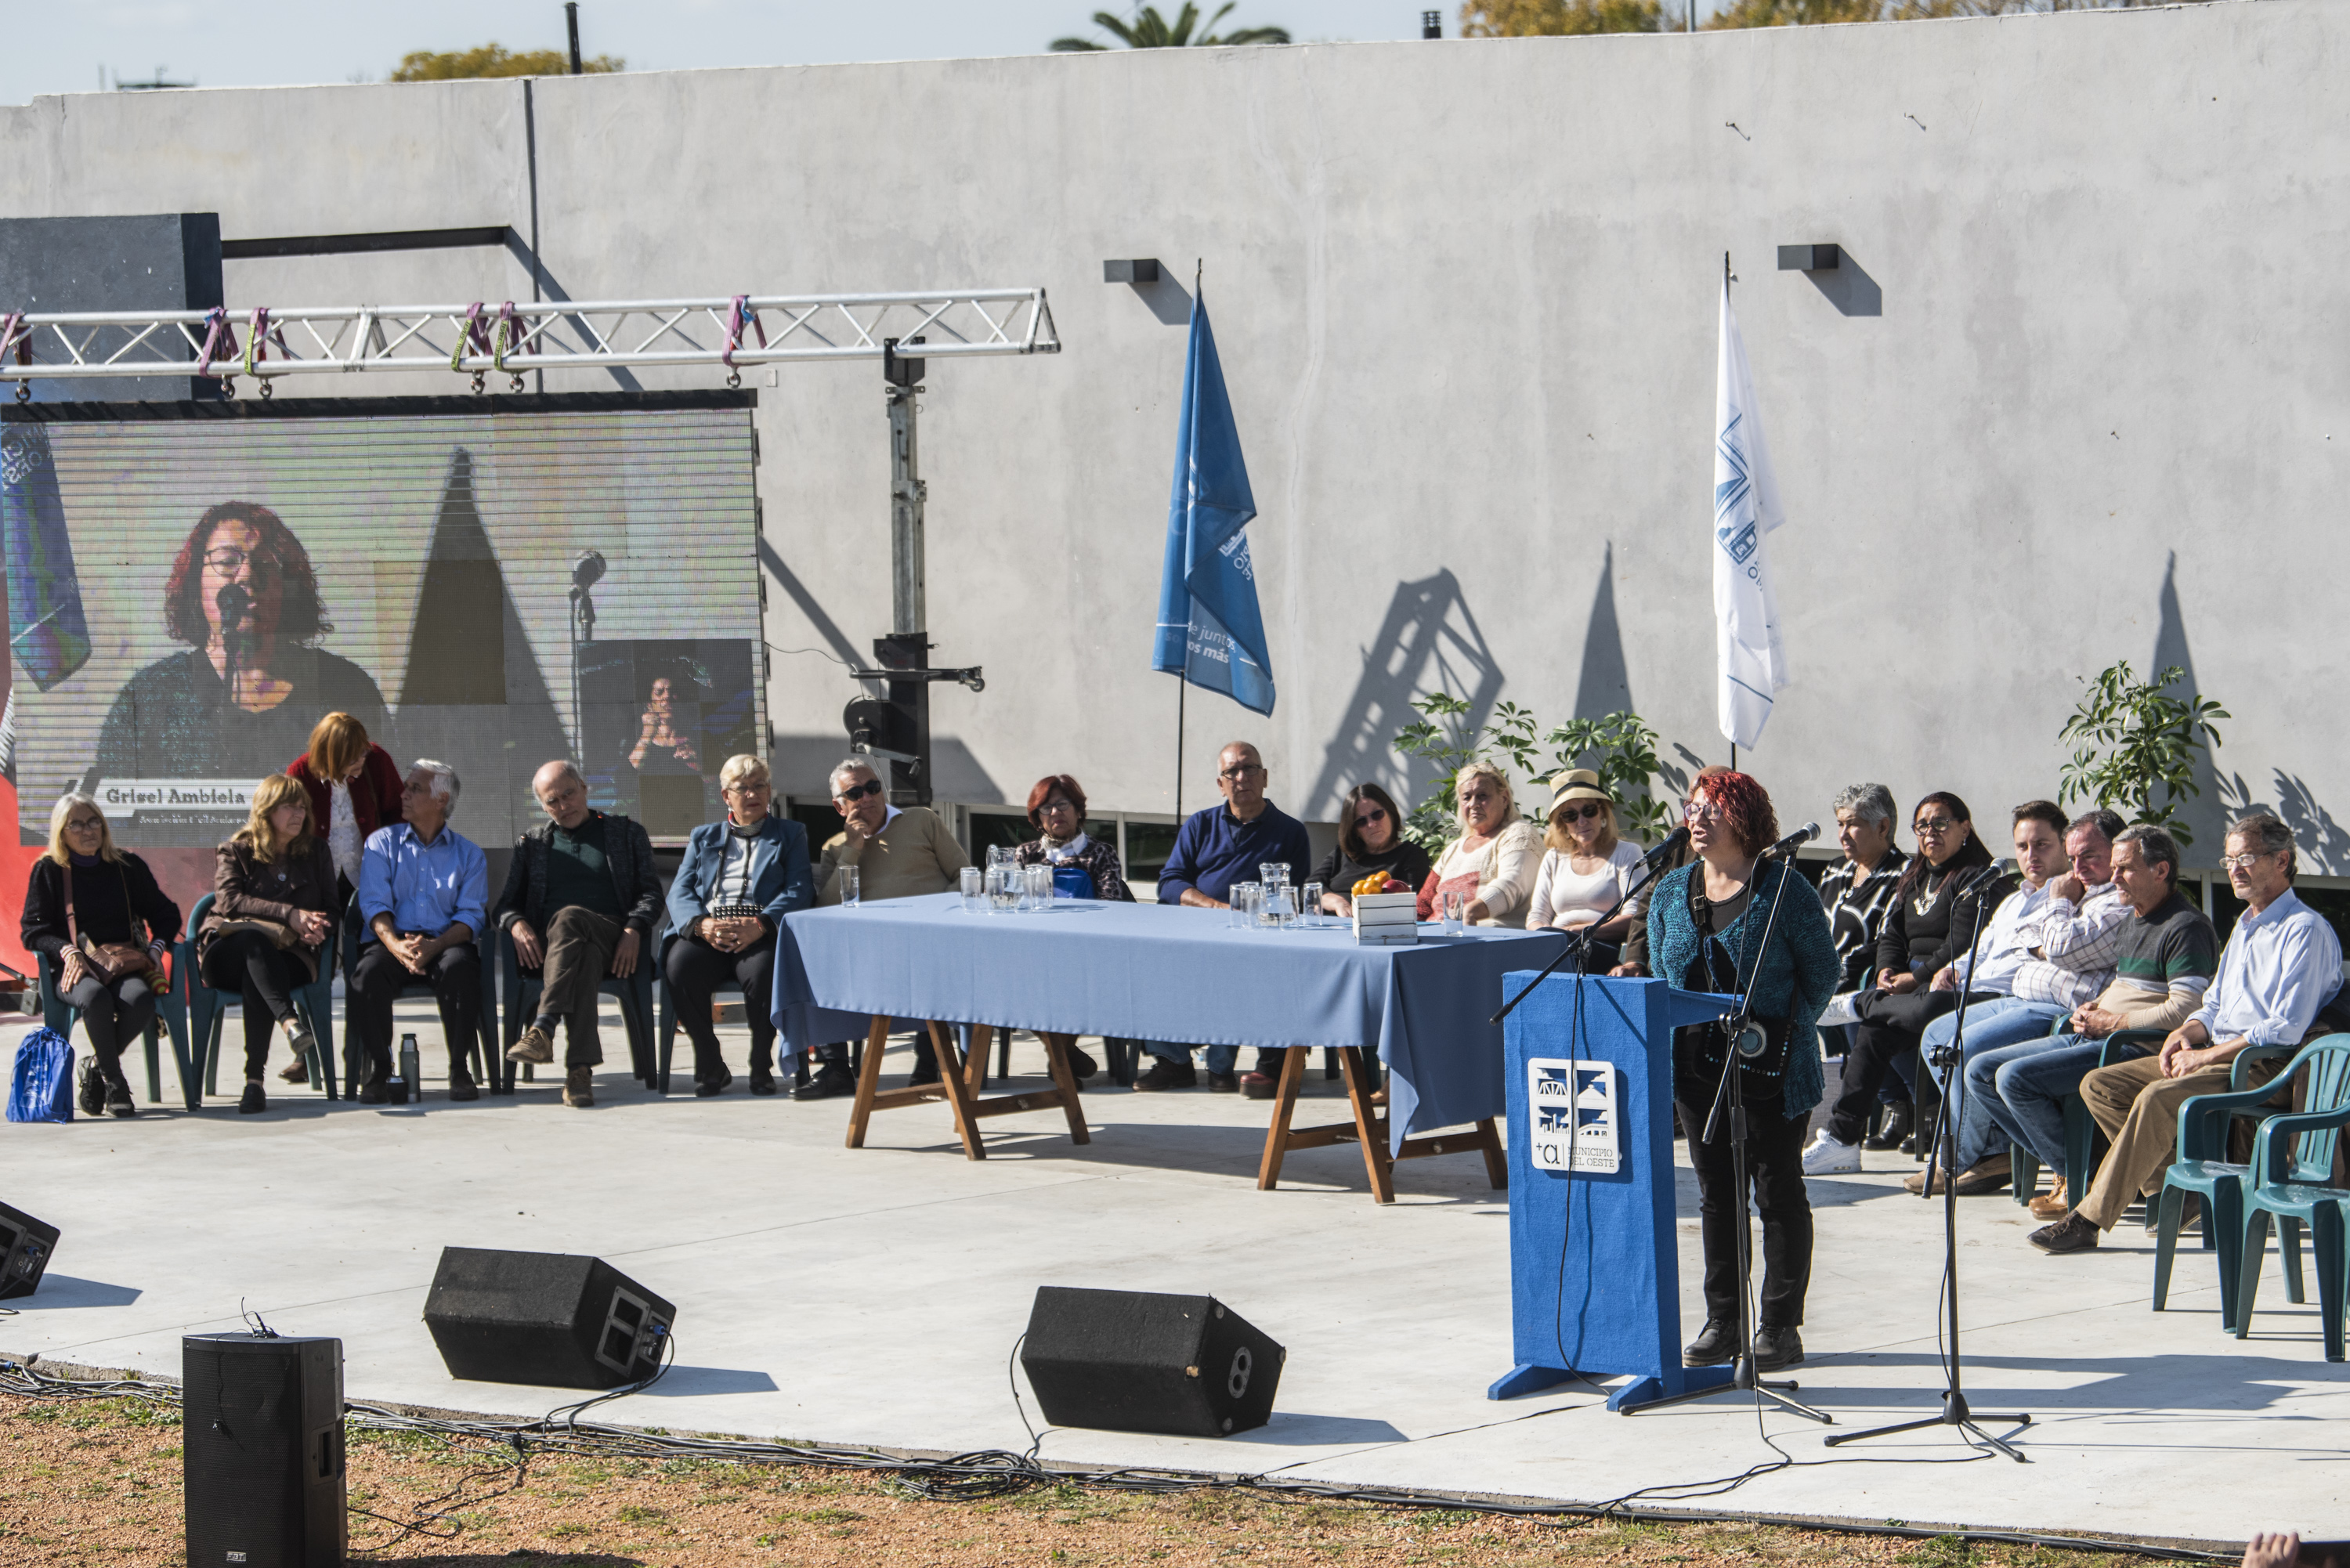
[(73, 46)]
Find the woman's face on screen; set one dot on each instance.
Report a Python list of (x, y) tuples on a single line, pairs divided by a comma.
[(235, 554)]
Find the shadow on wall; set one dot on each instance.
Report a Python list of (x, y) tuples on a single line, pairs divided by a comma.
[(1849, 287), (1428, 642), (1168, 300), (2205, 815), (1604, 686), (2322, 843)]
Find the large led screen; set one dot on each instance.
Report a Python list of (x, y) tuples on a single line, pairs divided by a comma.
[(190, 587)]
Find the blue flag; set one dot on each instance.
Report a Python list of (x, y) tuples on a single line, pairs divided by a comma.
[(1209, 629), (49, 638)]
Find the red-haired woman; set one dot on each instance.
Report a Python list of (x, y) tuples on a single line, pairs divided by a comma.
[(1706, 925), (1056, 809), (244, 599)]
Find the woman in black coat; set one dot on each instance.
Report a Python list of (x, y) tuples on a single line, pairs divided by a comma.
[(1933, 913), (276, 873), (85, 888), (1371, 839)]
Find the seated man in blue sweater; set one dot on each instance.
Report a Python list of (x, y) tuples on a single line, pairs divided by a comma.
[(1214, 849)]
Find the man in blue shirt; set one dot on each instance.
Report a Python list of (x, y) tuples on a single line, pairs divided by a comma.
[(1214, 849), (424, 890)]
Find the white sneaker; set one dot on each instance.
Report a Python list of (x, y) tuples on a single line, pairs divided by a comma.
[(1826, 1157)]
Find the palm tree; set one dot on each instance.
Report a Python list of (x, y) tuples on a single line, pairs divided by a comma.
[(1149, 30)]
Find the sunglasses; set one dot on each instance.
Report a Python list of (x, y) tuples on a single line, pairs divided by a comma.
[(856, 792), (1375, 814), (1588, 810)]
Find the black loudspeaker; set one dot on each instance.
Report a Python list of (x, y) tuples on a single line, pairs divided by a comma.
[(24, 1247), (545, 1318), (262, 1421), (1129, 1361)]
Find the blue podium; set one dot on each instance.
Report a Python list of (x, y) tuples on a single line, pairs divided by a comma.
[(1595, 1274)]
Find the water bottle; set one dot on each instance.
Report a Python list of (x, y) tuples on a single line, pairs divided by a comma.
[(409, 1069)]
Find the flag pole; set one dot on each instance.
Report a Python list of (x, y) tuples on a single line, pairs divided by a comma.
[(1182, 683)]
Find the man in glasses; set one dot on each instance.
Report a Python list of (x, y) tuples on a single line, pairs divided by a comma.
[(2283, 963), (1214, 849), (895, 853)]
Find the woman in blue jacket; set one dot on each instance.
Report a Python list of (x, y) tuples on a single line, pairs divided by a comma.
[(739, 879), (1705, 927)]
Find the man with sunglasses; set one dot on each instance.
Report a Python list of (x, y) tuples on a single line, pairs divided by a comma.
[(1214, 849), (897, 852)]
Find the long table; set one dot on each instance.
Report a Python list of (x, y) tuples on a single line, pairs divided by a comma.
[(1157, 972)]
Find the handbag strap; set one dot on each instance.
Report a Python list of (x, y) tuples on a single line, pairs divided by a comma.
[(73, 928)]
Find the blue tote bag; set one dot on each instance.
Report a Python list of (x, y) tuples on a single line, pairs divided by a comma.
[(42, 1089)]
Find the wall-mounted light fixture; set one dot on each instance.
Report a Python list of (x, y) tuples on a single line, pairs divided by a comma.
[(1810, 258), (1142, 271), (1431, 24)]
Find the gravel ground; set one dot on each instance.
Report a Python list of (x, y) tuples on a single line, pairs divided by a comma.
[(99, 1482)]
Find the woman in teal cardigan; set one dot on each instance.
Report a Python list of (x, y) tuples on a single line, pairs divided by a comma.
[(1705, 933)]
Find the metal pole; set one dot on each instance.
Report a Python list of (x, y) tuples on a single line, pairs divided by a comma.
[(908, 612), (571, 20), (530, 144)]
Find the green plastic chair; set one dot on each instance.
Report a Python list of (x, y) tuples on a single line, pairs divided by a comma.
[(2080, 1126), (2292, 1160), (208, 1009), (171, 1015), (2202, 1167)]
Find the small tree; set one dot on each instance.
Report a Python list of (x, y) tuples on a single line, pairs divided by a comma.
[(1559, 18), (2132, 740), (1622, 750), (1149, 30), (1441, 738), (494, 60)]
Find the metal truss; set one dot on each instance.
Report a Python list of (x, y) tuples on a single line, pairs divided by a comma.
[(482, 339)]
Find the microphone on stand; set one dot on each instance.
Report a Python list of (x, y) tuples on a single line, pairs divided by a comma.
[(1672, 841), (1792, 841), (234, 600)]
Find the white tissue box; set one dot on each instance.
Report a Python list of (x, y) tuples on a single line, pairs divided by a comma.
[(1386, 919)]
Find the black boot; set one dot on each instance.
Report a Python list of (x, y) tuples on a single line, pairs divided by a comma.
[(1715, 1345), (93, 1088), (1897, 1126)]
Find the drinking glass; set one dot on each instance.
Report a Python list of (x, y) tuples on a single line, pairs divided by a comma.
[(1309, 904), (1244, 909), (848, 887), (974, 889), (1038, 884), (1456, 907), (1002, 888)]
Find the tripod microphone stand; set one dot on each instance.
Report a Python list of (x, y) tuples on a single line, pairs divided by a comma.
[(1944, 1159), (1747, 1038)]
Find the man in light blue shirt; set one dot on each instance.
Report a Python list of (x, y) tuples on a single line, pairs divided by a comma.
[(2281, 964), (424, 891)]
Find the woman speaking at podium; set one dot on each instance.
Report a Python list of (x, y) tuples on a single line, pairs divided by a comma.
[(1706, 932)]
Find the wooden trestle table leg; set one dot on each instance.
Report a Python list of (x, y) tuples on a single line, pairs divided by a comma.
[(1056, 1054), (953, 1071), (868, 1081)]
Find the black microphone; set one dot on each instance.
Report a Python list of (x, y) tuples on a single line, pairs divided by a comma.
[(1672, 841), (1792, 841), (234, 600), (587, 571)]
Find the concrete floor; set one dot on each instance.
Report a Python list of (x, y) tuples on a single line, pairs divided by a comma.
[(873, 1296)]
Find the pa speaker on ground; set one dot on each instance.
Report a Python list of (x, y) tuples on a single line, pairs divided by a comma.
[(545, 1318), (24, 1247), (1129, 1361), (261, 1446)]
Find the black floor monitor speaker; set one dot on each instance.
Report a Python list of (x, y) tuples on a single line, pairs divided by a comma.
[(546, 1318), (1129, 1361), (262, 1447), (24, 1247)]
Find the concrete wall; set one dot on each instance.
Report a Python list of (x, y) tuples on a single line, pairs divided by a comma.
[(2084, 393)]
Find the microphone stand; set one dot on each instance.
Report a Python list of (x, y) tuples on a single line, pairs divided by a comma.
[(1944, 1162), (1730, 1094), (1578, 943)]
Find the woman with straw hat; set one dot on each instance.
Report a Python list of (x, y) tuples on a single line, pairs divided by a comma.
[(1585, 868)]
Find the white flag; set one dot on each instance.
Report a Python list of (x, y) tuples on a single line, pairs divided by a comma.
[(1754, 665)]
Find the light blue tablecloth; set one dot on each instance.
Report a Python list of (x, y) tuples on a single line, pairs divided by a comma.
[(1157, 972)]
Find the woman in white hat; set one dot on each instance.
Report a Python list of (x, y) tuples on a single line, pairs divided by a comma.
[(1585, 868)]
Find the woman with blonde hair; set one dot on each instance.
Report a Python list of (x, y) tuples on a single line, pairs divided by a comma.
[(1585, 868), (1496, 860), (93, 911), (354, 789), (274, 902)]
